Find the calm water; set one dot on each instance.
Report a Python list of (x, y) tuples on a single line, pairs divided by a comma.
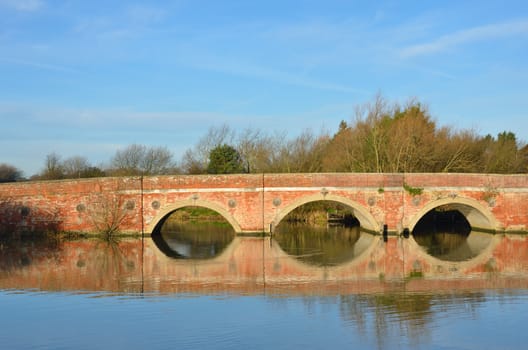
[(196, 289)]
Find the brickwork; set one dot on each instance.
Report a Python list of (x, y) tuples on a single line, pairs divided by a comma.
[(257, 202)]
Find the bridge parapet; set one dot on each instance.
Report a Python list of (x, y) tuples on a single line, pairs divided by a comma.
[(257, 202)]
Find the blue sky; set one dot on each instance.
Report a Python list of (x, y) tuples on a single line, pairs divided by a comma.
[(89, 77)]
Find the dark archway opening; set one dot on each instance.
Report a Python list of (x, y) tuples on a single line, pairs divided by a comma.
[(444, 220), (322, 233), (446, 234), (193, 233)]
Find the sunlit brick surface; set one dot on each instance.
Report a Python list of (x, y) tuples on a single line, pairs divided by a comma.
[(257, 202)]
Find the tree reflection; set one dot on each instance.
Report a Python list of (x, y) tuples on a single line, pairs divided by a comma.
[(323, 246), (111, 261), (410, 313), (71, 264), (23, 249)]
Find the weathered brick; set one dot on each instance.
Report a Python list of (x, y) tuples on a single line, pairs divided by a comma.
[(256, 201)]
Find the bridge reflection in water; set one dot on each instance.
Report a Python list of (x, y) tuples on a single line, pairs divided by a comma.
[(349, 261), (446, 234)]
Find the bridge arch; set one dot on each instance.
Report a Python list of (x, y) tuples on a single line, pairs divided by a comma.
[(478, 216), (169, 209), (366, 219)]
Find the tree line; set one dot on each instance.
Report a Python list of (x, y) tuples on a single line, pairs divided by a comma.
[(381, 137)]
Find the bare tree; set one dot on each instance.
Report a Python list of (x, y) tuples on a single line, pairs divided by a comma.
[(75, 166), (261, 153), (127, 161), (459, 151), (142, 160), (304, 153), (52, 167), (372, 134), (248, 147), (156, 161), (107, 211), (190, 163)]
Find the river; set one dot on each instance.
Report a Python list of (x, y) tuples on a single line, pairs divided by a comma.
[(203, 287)]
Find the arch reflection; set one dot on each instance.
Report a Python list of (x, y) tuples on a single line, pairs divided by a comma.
[(204, 237), (446, 234), (322, 246)]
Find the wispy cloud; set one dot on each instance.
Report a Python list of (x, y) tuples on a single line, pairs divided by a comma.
[(284, 77), (250, 70), (127, 22), (480, 33), (22, 5), (319, 32), (84, 120), (39, 65)]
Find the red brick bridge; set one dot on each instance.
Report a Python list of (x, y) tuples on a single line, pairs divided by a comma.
[(258, 202)]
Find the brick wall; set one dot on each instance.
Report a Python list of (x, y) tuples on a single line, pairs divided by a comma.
[(254, 202)]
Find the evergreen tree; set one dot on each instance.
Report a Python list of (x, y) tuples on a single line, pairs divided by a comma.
[(224, 159)]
